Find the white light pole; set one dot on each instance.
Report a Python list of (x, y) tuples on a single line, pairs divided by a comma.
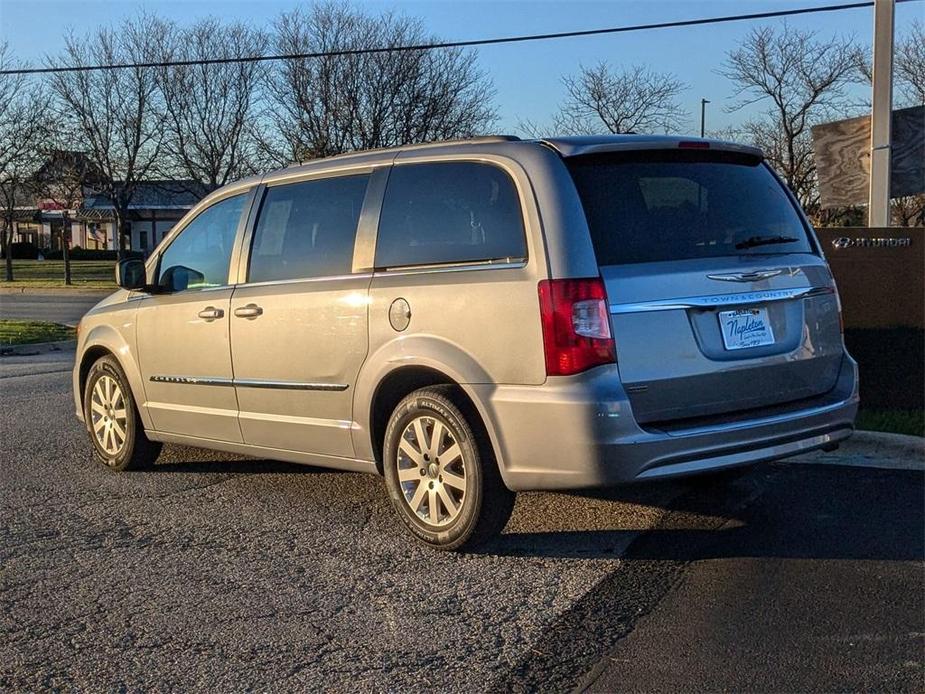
[(878, 209)]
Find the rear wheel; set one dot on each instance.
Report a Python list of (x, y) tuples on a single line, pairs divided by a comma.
[(440, 472), (112, 419)]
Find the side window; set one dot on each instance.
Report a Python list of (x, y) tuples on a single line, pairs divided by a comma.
[(449, 213), (199, 256), (307, 229)]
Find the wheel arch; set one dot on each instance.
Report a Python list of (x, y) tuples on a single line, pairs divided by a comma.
[(403, 380), (100, 342), (90, 356), (393, 387)]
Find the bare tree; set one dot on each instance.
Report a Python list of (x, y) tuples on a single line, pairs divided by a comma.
[(211, 109), (533, 129), (22, 129), (908, 67), (909, 64), (60, 182), (604, 99), (802, 79), (114, 114), (328, 105)]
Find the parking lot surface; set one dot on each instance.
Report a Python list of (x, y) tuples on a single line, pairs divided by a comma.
[(218, 572)]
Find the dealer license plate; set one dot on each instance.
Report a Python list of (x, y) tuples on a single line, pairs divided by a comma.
[(745, 328)]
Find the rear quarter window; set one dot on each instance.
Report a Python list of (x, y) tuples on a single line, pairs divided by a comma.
[(675, 205), (449, 213)]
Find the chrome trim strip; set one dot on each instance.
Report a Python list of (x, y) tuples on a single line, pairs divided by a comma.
[(462, 267), (306, 280), (759, 297), (249, 383), (288, 385), (193, 380)]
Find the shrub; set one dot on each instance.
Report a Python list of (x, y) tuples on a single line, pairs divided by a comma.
[(24, 250), (78, 253)]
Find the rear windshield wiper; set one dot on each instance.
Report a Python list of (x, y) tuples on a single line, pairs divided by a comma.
[(753, 241)]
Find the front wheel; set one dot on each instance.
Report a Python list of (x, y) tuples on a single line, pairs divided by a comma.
[(441, 474), (112, 419)]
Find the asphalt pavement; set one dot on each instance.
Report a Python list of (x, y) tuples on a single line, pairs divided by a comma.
[(831, 600), (66, 308), (215, 572)]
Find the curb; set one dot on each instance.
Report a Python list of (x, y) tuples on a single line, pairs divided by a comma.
[(871, 449), (102, 291), (37, 348), (898, 444)]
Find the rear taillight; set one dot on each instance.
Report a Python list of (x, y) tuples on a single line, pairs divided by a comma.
[(576, 325)]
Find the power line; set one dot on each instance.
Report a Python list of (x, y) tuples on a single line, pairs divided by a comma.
[(451, 44)]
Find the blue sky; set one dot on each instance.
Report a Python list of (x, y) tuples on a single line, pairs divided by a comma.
[(526, 76)]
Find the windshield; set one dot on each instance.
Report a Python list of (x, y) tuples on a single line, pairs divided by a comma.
[(652, 206)]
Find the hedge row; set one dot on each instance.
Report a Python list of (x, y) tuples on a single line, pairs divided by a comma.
[(29, 251)]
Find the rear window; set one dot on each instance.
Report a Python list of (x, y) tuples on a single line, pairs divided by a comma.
[(449, 213), (647, 207)]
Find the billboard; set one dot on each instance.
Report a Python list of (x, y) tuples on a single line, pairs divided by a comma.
[(842, 152)]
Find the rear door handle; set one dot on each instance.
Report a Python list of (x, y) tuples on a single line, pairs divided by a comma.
[(210, 313), (249, 311)]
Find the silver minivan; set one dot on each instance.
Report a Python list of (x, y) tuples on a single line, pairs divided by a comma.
[(474, 318)]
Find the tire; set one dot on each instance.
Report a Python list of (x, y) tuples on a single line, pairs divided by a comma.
[(450, 503), (119, 440)]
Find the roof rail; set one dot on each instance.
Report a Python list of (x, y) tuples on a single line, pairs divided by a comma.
[(421, 145)]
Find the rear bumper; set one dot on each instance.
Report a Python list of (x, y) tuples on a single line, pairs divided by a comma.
[(580, 432)]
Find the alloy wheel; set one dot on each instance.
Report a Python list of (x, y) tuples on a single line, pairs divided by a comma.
[(431, 471), (108, 415)]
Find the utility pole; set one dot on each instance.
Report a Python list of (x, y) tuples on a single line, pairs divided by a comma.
[(703, 114), (878, 208)]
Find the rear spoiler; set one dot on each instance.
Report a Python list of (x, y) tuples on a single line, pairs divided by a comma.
[(576, 147)]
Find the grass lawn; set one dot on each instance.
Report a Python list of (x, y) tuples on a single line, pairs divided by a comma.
[(910, 422), (27, 332), (88, 274)]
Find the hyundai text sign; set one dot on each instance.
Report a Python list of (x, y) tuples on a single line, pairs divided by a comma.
[(864, 242)]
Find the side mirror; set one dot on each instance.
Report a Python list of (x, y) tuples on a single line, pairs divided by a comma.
[(130, 273), (180, 278)]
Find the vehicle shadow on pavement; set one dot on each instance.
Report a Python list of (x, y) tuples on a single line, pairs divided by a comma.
[(707, 519), (776, 514)]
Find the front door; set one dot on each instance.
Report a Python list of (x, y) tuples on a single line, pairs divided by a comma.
[(183, 330), (299, 322)]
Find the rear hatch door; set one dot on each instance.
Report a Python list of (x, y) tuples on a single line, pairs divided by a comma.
[(719, 300)]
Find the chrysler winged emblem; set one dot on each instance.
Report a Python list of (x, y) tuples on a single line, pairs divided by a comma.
[(747, 276)]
